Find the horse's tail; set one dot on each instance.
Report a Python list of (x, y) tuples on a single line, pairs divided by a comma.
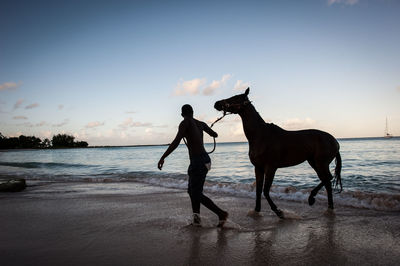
[(337, 179)]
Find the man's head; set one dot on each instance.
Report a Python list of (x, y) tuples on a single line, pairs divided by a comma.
[(187, 110)]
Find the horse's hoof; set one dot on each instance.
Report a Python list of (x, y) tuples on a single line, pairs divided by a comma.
[(280, 214), (254, 214), (311, 201), (329, 212)]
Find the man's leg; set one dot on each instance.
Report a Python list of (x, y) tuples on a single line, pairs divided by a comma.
[(197, 176), (198, 182), (206, 201), (195, 197)]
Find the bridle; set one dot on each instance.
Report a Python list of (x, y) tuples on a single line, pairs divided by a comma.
[(225, 105)]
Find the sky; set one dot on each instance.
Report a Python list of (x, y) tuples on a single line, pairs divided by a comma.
[(118, 72)]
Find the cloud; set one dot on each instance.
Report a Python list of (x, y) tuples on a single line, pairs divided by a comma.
[(31, 106), (296, 123), (345, 2), (15, 135), (18, 103), (60, 106), (398, 88), (46, 134), (66, 121), (43, 123), (140, 124), (9, 86), (216, 84), (130, 112), (240, 85), (162, 126), (1, 110), (237, 130), (191, 87), (20, 117), (94, 124), (130, 123), (28, 124), (194, 86)]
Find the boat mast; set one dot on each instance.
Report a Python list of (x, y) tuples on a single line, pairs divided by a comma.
[(387, 135)]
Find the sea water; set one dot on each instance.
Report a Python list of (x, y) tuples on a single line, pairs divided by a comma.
[(370, 172)]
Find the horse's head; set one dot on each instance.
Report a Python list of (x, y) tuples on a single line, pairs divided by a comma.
[(233, 104)]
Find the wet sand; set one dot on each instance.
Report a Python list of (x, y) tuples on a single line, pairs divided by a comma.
[(139, 224)]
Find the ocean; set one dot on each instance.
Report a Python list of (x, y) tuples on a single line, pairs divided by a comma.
[(370, 172)]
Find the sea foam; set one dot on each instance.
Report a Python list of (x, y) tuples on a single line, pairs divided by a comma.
[(355, 199)]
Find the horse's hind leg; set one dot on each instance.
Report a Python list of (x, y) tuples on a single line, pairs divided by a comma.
[(269, 177), (314, 192), (328, 187), (325, 176)]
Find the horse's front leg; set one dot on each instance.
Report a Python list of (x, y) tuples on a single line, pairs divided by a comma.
[(269, 177), (259, 187)]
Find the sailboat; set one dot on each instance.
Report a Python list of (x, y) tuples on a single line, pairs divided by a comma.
[(387, 134)]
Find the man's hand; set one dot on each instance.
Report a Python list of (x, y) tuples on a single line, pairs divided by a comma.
[(160, 163)]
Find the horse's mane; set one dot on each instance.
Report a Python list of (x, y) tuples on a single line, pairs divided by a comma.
[(270, 126), (273, 127)]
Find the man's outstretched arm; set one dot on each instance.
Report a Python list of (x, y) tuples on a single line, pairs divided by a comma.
[(174, 144), (209, 131)]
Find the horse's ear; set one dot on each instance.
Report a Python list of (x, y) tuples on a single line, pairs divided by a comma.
[(247, 91)]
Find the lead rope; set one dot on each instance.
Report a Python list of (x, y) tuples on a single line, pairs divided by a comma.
[(215, 144)]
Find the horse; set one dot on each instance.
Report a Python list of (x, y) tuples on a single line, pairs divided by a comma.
[(271, 147)]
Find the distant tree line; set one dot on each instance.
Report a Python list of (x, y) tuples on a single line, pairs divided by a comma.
[(31, 142)]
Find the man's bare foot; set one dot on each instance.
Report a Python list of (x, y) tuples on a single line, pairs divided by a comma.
[(329, 212), (254, 214), (222, 219), (196, 220)]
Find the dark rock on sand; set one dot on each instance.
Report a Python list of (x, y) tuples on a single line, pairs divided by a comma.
[(12, 185)]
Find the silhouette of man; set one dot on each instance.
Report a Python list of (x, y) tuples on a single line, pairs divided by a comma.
[(200, 163)]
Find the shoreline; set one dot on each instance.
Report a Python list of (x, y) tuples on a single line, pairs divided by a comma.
[(167, 144), (368, 200), (61, 223)]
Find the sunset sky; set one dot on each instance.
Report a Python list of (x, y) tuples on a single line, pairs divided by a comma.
[(118, 72)]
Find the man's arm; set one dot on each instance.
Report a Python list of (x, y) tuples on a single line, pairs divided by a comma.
[(174, 144), (209, 131)]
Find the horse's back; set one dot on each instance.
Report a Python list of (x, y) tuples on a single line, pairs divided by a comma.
[(321, 143), (283, 148), (310, 144)]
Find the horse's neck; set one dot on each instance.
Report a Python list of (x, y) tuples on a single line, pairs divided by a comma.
[(252, 122)]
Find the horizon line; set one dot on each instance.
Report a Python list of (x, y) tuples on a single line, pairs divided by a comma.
[(226, 142)]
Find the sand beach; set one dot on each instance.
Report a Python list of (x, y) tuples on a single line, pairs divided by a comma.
[(65, 223)]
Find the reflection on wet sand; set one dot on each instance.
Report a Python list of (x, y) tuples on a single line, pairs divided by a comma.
[(148, 225), (322, 239)]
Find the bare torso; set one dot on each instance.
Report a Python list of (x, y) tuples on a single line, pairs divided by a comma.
[(192, 129)]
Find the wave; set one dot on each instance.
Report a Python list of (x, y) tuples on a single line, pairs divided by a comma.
[(355, 199), (33, 165)]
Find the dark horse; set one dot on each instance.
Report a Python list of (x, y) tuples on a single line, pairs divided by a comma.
[(271, 147)]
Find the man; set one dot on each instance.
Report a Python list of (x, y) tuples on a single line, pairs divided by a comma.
[(200, 163)]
